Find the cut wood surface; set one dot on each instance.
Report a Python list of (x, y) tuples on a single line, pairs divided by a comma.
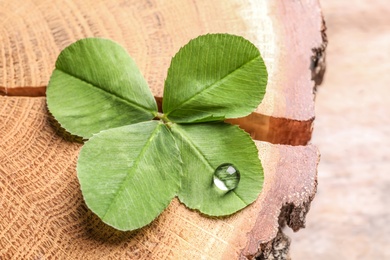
[(42, 212)]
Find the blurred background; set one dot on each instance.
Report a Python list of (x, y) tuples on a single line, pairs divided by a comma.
[(349, 217)]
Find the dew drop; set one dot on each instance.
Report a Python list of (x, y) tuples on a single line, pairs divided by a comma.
[(226, 177)]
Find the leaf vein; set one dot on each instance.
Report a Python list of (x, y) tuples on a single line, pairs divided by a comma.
[(203, 158), (133, 167), (99, 88), (212, 85)]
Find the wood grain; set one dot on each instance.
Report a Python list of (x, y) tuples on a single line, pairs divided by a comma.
[(42, 211)]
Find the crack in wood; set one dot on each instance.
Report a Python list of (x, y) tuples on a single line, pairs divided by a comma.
[(38, 91), (261, 127)]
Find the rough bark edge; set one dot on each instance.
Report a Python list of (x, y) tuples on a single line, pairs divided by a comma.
[(276, 249), (318, 59), (291, 215), (295, 216)]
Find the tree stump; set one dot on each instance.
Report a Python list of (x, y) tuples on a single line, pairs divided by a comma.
[(42, 212)]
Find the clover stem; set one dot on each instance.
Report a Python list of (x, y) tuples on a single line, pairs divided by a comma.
[(163, 117), (159, 115)]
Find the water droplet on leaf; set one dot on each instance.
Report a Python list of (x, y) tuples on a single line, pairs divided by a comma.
[(226, 177)]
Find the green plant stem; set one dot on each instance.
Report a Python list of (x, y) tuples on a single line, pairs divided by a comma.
[(164, 118)]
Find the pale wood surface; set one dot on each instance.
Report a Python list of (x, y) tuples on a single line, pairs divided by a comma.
[(42, 211)]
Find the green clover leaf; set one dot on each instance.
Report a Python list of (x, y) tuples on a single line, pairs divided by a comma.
[(213, 77), (95, 86), (132, 166), (203, 148), (131, 170)]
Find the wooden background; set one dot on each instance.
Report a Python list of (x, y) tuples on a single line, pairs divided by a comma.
[(350, 216), (42, 211)]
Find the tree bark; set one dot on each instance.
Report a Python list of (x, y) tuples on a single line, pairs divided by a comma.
[(43, 214)]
